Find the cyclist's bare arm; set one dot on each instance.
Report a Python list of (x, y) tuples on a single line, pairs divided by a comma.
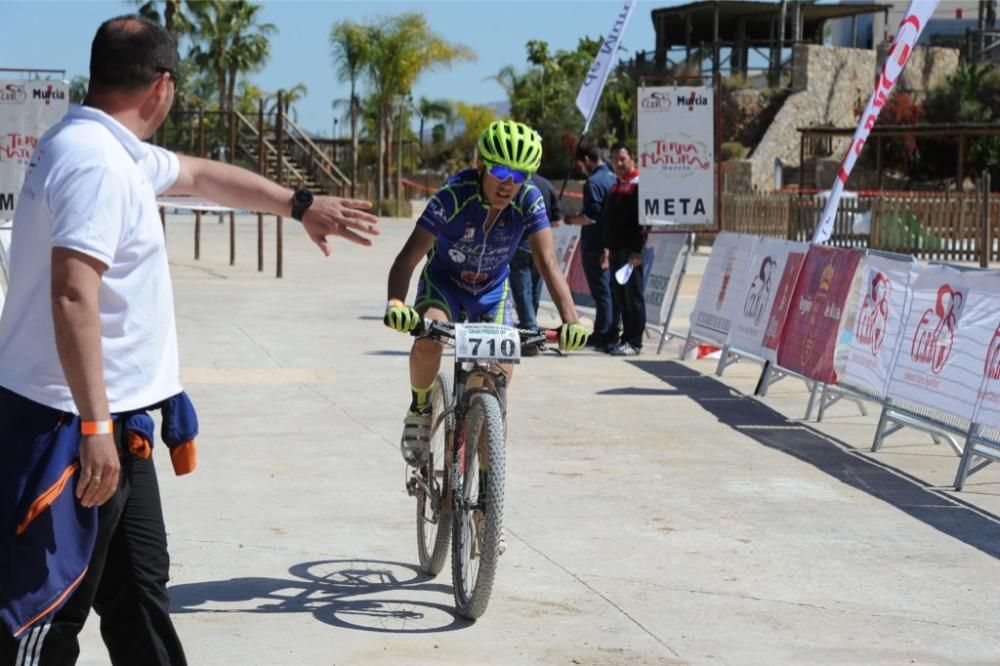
[(543, 253), (416, 248)]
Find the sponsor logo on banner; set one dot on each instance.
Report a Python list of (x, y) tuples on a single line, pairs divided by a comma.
[(683, 155), (760, 291), (874, 315), (693, 100), (6, 201), (18, 147), (48, 94), (812, 309), (656, 101), (727, 275), (991, 367), (13, 93), (783, 300), (935, 333)]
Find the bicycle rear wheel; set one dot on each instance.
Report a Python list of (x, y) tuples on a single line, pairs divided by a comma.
[(433, 527), (478, 516)]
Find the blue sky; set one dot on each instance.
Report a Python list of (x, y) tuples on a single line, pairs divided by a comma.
[(496, 31)]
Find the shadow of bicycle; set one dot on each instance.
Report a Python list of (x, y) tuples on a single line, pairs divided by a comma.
[(366, 595)]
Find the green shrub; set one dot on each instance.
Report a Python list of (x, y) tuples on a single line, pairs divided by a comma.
[(734, 150)]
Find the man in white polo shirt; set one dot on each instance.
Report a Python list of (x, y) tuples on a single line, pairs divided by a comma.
[(88, 332)]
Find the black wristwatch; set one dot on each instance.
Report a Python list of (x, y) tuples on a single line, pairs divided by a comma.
[(301, 201)]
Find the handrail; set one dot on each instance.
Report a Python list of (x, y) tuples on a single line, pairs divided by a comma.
[(271, 150), (318, 154), (311, 151)]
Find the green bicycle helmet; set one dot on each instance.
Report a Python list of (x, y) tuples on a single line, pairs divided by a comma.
[(513, 144)]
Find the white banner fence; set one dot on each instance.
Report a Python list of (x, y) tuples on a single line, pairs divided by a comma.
[(922, 340)]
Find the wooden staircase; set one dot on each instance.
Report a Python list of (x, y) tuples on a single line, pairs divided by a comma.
[(303, 164)]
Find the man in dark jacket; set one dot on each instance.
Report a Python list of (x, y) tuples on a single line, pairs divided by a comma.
[(623, 243), (595, 191)]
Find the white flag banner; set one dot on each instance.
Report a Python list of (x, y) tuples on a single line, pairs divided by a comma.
[(593, 82), (917, 15), (945, 336), (757, 293), (717, 295), (883, 301)]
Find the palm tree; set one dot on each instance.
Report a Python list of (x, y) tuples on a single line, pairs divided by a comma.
[(432, 109), (228, 42), (349, 47), (291, 96), (402, 48)]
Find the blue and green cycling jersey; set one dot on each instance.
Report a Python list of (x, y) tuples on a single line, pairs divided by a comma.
[(464, 253)]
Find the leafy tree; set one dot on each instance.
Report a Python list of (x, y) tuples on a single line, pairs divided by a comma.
[(970, 95), (228, 41), (475, 118), (292, 96), (402, 49), (432, 109), (78, 89), (544, 96)]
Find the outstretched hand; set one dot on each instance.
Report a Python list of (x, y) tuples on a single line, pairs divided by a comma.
[(334, 216)]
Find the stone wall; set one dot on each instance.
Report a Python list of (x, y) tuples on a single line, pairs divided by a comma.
[(830, 86)]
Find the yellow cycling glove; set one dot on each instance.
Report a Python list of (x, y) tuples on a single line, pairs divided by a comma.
[(400, 317), (572, 337)]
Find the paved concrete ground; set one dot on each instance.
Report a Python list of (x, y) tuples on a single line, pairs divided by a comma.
[(655, 514)]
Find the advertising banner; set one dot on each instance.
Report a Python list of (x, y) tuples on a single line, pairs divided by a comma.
[(717, 295), (676, 155), (27, 110), (782, 302), (809, 338), (935, 366), (917, 15), (759, 292), (883, 301), (660, 259), (985, 288), (567, 242)]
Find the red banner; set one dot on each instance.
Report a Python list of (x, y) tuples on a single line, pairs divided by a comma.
[(809, 338), (782, 301)]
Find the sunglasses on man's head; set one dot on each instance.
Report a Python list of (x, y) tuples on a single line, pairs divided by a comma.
[(171, 72), (502, 172)]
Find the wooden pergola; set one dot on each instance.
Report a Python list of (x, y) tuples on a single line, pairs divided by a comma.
[(765, 27), (962, 132)]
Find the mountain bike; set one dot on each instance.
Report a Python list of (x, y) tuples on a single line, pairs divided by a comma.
[(460, 486)]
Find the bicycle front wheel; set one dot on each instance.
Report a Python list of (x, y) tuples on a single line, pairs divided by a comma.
[(478, 517), (434, 526)]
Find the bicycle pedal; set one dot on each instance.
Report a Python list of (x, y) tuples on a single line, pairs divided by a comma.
[(412, 486)]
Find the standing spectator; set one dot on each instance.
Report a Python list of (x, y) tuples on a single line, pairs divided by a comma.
[(525, 279), (623, 243), (599, 181), (88, 342)]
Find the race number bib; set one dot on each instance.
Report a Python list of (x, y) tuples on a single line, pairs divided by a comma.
[(489, 343)]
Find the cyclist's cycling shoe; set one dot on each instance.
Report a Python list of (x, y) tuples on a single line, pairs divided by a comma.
[(415, 444)]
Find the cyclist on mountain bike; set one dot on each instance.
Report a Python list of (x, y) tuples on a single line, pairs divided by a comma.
[(469, 231)]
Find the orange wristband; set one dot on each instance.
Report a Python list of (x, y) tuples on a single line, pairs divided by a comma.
[(97, 427)]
